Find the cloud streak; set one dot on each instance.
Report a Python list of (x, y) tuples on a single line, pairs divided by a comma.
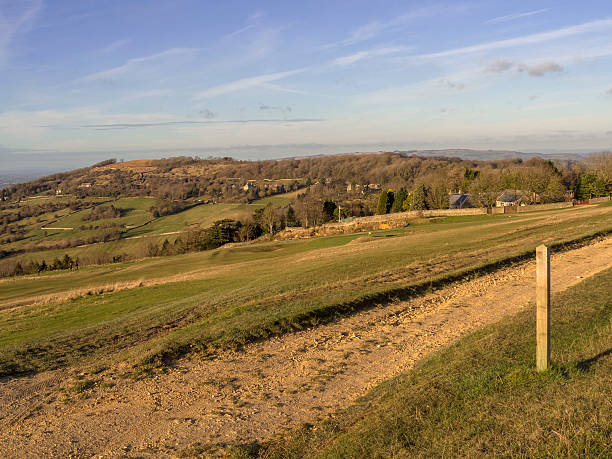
[(12, 26), (191, 123), (245, 83), (114, 45), (375, 28), (564, 32), (512, 17), (133, 63), (361, 55)]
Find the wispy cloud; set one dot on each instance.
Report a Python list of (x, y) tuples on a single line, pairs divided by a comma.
[(374, 28), (564, 32), (609, 92), (134, 63), (279, 88), (245, 83), (453, 84), (535, 69), (111, 126), (512, 17), (114, 45), (541, 69), (368, 54), (10, 26)]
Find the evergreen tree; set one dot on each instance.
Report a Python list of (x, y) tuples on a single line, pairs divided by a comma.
[(589, 186), (419, 198), (390, 200), (381, 208), (328, 210), (291, 219), (399, 199)]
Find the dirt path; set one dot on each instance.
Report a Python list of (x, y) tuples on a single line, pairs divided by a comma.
[(247, 395)]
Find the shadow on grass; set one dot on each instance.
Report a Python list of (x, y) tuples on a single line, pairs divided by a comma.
[(585, 365)]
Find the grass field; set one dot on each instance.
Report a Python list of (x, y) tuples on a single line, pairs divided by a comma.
[(135, 222), (482, 397), (166, 306)]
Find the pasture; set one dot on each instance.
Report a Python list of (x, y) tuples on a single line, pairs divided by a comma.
[(154, 310)]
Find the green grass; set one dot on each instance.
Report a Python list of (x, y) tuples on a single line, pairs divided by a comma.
[(482, 398), (230, 296), (204, 215)]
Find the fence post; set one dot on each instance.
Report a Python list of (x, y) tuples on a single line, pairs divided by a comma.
[(542, 307)]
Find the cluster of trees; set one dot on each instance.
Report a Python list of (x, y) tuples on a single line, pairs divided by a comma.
[(590, 186), (37, 267), (14, 212), (220, 233), (102, 212)]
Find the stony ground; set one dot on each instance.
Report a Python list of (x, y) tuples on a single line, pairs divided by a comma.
[(251, 394)]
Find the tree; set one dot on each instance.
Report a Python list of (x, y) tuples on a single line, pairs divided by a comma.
[(407, 204), (328, 209), (398, 200), (555, 190), (291, 219), (589, 186), (343, 213), (270, 218), (437, 197), (419, 198), (383, 202), (249, 231)]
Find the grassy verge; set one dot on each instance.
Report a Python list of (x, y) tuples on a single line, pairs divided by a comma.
[(481, 397), (234, 295)]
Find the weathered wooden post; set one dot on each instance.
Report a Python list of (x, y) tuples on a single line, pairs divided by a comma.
[(542, 307)]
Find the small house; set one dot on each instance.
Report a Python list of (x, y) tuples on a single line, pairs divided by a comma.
[(458, 201), (509, 198)]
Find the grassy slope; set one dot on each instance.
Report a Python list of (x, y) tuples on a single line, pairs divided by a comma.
[(135, 215), (481, 397), (231, 295)]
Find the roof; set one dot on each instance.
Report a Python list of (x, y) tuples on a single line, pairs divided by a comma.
[(457, 200), (510, 196)]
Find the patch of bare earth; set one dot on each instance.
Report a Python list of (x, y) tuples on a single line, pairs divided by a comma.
[(251, 394)]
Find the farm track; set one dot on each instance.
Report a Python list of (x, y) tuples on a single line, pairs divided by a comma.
[(251, 394)]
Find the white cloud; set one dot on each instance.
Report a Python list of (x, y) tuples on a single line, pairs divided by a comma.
[(12, 26), (245, 83), (134, 63), (375, 28), (114, 45), (564, 32), (512, 17), (356, 57)]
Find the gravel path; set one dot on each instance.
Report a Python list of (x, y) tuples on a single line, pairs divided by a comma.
[(251, 394)]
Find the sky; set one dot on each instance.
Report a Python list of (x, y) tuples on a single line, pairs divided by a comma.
[(86, 80)]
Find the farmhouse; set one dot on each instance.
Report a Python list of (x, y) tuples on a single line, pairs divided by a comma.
[(509, 198)]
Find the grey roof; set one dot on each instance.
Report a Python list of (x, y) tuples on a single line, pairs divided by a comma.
[(457, 200), (510, 196)]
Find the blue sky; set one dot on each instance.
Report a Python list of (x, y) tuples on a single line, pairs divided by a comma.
[(83, 80)]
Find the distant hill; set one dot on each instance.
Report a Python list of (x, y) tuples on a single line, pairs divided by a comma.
[(490, 155)]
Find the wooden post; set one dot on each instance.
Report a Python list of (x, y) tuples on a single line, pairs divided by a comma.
[(542, 307)]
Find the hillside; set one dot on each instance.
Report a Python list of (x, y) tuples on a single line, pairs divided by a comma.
[(238, 398)]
